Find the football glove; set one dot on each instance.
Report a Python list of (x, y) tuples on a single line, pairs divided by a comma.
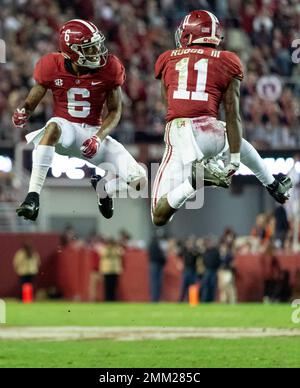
[(90, 147), (20, 118), (231, 169), (233, 166)]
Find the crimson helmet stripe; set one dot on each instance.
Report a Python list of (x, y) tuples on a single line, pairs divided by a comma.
[(214, 22), (89, 25), (186, 20), (93, 25)]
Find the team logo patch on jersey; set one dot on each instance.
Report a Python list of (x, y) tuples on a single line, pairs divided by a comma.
[(58, 82)]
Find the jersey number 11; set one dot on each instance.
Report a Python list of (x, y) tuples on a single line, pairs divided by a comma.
[(199, 94)]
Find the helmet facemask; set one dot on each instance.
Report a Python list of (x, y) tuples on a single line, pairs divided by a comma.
[(92, 54), (178, 34)]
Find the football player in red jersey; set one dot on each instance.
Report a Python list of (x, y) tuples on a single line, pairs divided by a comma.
[(195, 79), (82, 77)]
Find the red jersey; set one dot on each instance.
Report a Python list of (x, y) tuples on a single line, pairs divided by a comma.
[(196, 79), (79, 99)]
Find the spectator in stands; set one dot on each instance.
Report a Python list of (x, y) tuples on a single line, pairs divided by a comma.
[(272, 273), (125, 238), (226, 274), (281, 226), (212, 261), (96, 246), (111, 267), (157, 261), (285, 289), (68, 236), (277, 284), (26, 263), (200, 269), (188, 264), (263, 228), (228, 237)]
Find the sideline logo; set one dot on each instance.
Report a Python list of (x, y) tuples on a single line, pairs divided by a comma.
[(2, 51), (2, 311), (295, 317)]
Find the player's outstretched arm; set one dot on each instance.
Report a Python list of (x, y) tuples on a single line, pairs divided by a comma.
[(21, 115), (34, 97), (233, 124), (114, 108)]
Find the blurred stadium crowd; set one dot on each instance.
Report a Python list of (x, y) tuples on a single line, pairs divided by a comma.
[(260, 31)]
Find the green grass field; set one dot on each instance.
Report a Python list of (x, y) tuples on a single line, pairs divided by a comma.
[(181, 352)]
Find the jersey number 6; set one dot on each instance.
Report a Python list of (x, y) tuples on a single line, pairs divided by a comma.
[(84, 106), (199, 94)]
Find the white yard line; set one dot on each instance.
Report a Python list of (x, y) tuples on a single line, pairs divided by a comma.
[(63, 333)]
